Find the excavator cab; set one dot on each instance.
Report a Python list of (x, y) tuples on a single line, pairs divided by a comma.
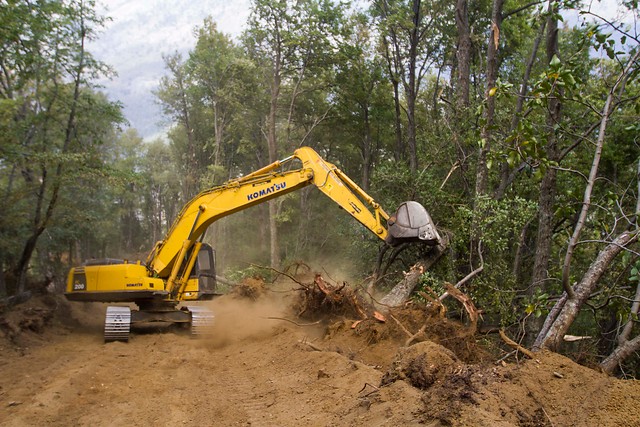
[(205, 271), (412, 223)]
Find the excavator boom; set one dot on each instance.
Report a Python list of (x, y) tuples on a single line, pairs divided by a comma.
[(411, 222)]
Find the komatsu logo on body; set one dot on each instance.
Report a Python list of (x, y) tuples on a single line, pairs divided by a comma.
[(265, 191)]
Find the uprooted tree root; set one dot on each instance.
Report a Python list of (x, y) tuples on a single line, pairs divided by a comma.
[(321, 299), (250, 287), (407, 325)]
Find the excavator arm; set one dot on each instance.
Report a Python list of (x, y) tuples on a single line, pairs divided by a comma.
[(173, 257)]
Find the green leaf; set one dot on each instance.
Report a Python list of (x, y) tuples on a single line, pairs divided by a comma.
[(610, 53)]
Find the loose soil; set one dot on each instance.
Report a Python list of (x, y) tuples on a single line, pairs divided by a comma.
[(259, 368)]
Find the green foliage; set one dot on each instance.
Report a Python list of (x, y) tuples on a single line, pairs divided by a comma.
[(236, 275), (496, 222), (53, 124), (538, 304)]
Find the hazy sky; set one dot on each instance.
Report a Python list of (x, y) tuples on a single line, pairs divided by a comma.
[(141, 31)]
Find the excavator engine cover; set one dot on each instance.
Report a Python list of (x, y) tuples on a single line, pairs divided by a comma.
[(412, 223)]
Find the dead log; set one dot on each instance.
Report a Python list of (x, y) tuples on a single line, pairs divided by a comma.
[(403, 290)]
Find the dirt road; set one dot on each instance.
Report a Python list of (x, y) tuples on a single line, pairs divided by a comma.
[(258, 371)]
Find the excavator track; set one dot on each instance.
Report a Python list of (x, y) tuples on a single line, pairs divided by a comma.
[(201, 320), (117, 324)]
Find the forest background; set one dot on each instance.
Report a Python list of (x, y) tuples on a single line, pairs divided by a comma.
[(517, 130)]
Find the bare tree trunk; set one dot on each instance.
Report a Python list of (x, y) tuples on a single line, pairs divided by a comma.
[(623, 351), (586, 202), (568, 308), (626, 347), (403, 290)]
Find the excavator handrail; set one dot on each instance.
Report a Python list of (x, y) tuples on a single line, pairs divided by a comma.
[(169, 256)]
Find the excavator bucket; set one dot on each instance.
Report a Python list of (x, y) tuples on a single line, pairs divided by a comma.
[(412, 223)]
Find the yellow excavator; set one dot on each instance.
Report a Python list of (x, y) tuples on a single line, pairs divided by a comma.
[(181, 268)]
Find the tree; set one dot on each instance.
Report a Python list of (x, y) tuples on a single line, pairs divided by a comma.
[(48, 99), (361, 100), (413, 37), (292, 45), (566, 309), (177, 101)]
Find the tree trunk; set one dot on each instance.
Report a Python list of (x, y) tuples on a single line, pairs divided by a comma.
[(41, 219), (411, 89), (403, 290), (274, 247), (611, 363), (463, 54), (367, 152), (568, 308), (586, 202), (392, 68), (547, 197), (482, 172), (506, 178)]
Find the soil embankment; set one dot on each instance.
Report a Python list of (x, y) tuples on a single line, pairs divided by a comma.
[(260, 370)]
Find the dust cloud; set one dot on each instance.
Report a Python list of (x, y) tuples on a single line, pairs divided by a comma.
[(241, 319)]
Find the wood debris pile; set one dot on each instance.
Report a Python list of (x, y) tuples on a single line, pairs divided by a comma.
[(250, 287), (321, 298)]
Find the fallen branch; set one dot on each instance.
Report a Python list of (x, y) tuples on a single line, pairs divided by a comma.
[(505, 357), (280, 272), (412, 337), (468, 305), (375, 389), (291, 321), (469, 276), (224, 281), (511, 343), (312, 346), (433, 299)]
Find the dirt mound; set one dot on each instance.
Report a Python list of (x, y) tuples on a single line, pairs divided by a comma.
[(34, 321), (421, 365), (264, 367)]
